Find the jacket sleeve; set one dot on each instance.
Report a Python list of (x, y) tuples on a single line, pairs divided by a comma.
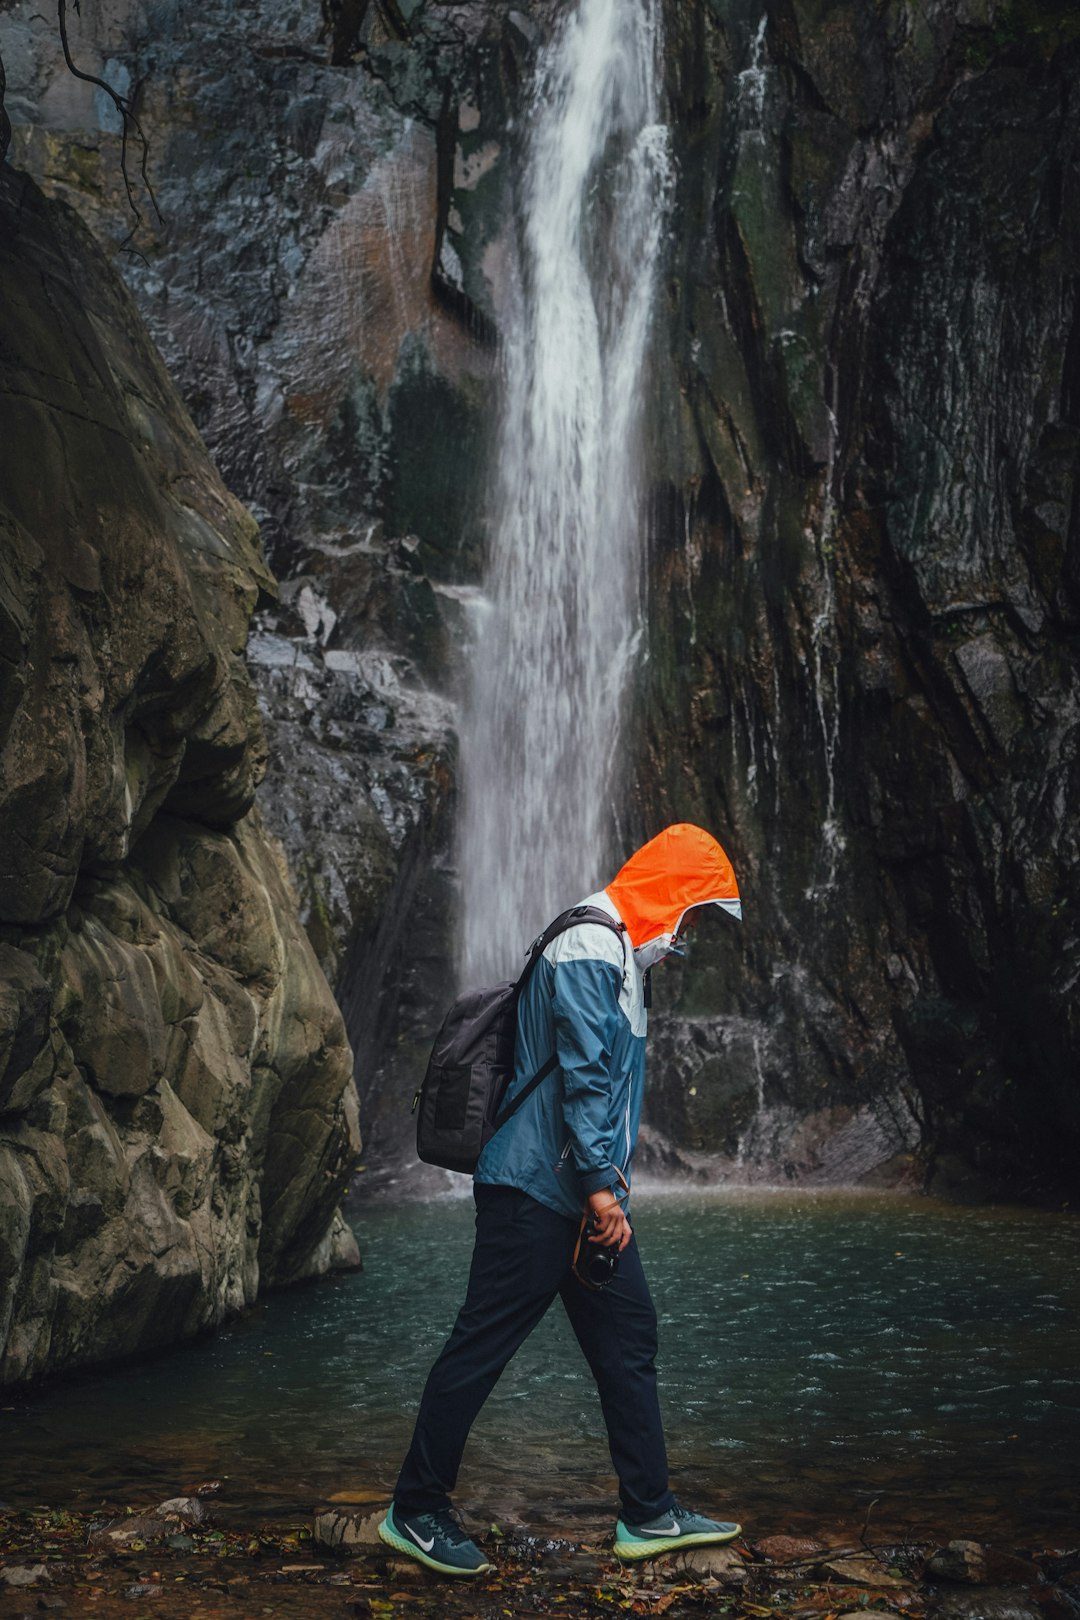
[(586, 1007)]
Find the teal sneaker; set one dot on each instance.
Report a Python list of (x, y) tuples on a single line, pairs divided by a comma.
[(434, 1539), (669, 1532)]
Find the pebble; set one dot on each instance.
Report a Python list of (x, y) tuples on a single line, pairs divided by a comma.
[(144, 1589), (24, 1574)]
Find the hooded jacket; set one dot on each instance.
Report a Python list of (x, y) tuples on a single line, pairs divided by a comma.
[(585, 1002)]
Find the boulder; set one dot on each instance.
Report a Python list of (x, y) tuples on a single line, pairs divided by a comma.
[(177, 1113)]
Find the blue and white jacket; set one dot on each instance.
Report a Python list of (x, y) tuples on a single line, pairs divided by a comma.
[(585, 1001)]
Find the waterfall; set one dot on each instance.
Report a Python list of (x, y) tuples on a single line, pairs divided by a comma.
[(559, 633)]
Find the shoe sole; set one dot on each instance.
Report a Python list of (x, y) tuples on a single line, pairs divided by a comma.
[(631, 1552), (411, 1550)]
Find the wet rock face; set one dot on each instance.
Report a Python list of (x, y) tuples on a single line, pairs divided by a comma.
[(177, 1115), (865, 586), (862, 539), (334, 348)]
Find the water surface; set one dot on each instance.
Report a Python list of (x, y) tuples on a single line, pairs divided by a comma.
[(819, 1353)]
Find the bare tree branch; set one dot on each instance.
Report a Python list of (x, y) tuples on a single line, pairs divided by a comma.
[(127, 115)]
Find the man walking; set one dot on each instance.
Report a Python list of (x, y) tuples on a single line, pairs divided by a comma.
[(563, 1157)]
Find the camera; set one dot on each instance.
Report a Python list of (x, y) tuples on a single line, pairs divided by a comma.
[(595, 1266)]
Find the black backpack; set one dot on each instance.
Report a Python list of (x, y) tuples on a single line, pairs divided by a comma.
[(472, 1061)]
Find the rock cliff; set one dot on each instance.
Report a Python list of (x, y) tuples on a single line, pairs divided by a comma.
[(862, 545), (177, 1112), (865, 557)]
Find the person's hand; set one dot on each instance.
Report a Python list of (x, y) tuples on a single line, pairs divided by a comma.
[(610, 1225)]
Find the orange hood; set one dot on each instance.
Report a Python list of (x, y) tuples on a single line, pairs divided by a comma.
[(680, 868)]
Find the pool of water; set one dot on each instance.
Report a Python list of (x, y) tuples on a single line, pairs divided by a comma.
[(819, 1353)]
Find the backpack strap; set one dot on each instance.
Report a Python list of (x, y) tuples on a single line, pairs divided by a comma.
[(565, 920)]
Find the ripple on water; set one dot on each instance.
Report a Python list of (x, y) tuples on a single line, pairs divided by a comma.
[(800, 1381)]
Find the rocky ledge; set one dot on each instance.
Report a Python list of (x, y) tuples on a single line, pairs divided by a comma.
[(177, 1112)]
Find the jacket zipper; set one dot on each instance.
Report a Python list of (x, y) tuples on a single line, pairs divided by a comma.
[(629, 1093)]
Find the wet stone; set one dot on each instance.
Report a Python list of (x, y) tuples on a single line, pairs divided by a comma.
[(716, 1563), (558, 1567), (788, 1549), (988, 1603), (976, 1565), (143, 1589), (338, 1529), (136, 1527), (859, 1571), (404, 1569), (24, 1574), (187, 1508)]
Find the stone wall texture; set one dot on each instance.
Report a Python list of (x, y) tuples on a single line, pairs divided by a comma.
[(177, 1112)]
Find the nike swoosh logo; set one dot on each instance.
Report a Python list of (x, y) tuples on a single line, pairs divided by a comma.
[(425, 1546), (672, 1529)]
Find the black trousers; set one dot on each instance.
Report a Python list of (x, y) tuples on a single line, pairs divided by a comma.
[(521, 1261)]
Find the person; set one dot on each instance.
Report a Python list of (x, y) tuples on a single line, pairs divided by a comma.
[(565, 1157)]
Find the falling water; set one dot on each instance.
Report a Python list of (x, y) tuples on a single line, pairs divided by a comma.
[(558, 639)]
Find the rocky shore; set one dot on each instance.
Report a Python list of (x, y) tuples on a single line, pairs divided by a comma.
[(181, 1558)]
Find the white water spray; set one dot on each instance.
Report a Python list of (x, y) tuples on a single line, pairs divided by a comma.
[(556, 645)]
